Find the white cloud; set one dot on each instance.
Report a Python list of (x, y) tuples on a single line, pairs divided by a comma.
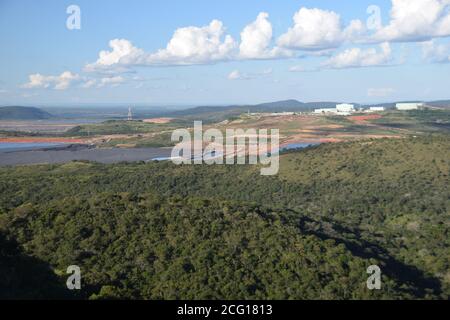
[(437, 53), (313, 29), (380, 92), (89, 83), (234, 75), (122, 54), (111, 81), (195, 45), (296, 68), (316, 29), (65, 80), (416, 20), (256, 39), (61, 82), (237, 75), (357, 57), (188, 46), (37, 81), (355, 31)]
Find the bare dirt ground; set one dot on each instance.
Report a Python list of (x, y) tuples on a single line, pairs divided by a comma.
[(158, 120), (293, 129), (363, 119)]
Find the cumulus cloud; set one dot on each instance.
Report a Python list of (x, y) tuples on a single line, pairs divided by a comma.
[(188, 46), (416, 20), (316, 29), (122, 53), (315, 32), (437, 53), (313, 29), (357, 57), (256, 39), (380, 92), (61, 82), (196, 45)]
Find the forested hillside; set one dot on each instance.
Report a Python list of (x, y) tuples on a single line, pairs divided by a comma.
[(160, 231), (23, 113)]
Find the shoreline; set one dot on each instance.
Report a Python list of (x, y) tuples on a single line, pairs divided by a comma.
[(41, 140), (80, 152)]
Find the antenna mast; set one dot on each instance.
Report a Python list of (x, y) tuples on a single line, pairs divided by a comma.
[(130, 114)]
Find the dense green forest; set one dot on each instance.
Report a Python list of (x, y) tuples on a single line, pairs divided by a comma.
[(160, 231)]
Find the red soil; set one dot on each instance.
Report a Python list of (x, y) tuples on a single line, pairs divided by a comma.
[(158, 120), (365, 118)]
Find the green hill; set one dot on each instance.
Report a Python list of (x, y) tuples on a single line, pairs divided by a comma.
[(220, 113), (161, 231), (23, 113)]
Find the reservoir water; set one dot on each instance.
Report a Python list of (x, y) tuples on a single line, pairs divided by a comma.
[(34, 153), (22, 146), (293, 146)]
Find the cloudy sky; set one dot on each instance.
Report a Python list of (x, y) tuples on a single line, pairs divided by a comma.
[(192, 52)]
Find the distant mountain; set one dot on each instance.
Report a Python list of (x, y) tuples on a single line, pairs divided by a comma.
[(23, 113), (445, 104), (291, 106), (215, 113)]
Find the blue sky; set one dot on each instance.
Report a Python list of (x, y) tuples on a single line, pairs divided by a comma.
[(322, 56)]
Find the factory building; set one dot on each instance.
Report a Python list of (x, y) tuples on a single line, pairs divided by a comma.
[(375, 109), (408, 106), (326, 111), (345, 108)]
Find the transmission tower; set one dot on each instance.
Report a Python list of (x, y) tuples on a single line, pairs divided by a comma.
[(130, 114)]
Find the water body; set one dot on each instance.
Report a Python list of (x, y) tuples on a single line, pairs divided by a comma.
[(64, 154), (52, 153), (293, 146), (17, 146)]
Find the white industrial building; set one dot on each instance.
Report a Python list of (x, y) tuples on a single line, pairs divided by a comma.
[(375, 109), (408, 106), (345, 108), (326, 111)]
